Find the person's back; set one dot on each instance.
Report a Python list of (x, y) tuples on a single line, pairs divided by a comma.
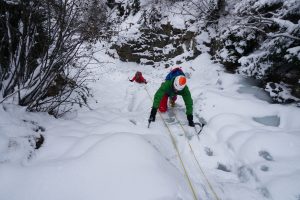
[(168, 91), (177, 71)]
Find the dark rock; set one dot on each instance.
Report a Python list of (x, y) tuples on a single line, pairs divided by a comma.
[(177, 31), (149, 62), (152, 42), (167, 29), (296, 91), (39, 141), (272, 85), (188, 36), (126, 53), (270, 7), (178, 62)]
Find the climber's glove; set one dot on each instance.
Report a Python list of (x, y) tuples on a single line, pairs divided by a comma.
[(152, 115), (190, 120)]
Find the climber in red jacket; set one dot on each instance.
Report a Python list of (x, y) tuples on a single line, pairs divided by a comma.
[(138, 77)]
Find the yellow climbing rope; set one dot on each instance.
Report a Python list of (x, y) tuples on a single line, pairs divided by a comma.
[(178, 154), (198, 163), (192, 151)]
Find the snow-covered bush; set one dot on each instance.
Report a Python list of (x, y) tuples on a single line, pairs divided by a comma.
[(200, 9), (20, 135), (124, 8), (231, 45), (94, 21), (39, 54), (280, 92), (261, 39)]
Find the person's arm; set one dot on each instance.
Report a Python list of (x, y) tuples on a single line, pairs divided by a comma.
[(133, 79), (157, 98), (188, 101), (160, 93), (144, 80)]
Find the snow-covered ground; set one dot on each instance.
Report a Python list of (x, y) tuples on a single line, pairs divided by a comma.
[(249, 149)]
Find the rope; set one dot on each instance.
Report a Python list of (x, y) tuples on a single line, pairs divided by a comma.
[(192, 151), (199, 166), (177, 151)]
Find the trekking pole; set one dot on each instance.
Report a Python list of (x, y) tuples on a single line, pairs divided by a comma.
[(149, 121)]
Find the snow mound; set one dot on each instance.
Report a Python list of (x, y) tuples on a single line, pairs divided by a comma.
[(112, 168)]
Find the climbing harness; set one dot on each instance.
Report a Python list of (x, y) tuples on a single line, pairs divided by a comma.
[(191, 150)]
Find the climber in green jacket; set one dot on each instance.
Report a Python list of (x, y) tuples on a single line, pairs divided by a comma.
[(170, 89)]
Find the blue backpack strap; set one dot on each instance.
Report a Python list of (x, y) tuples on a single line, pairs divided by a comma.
[(175, 72)]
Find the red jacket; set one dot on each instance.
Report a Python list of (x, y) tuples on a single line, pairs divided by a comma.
[(138, 77)]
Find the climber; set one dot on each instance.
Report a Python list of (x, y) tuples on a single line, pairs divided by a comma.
[(138, 77), (175, 84)]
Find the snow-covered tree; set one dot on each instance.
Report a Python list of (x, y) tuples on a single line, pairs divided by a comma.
[(199, 9), (261, 39), (39, 49), (136, 5), (94, 20)]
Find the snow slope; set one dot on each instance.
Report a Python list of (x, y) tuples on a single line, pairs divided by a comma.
[(249, 149)]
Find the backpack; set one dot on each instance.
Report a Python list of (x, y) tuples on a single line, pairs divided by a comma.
[(173, 73)]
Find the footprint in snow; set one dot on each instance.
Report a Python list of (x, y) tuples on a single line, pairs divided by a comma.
[(208, 151), (264, 168), (223, 167), (266, 155), (133, 121)]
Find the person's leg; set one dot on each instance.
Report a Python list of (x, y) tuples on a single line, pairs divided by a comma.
[(163, 105), (172, 100)]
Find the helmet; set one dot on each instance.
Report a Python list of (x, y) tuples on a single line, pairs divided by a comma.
[(179, 82), (138, 74)]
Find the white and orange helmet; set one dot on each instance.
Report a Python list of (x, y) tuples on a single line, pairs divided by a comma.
[(179, 82)]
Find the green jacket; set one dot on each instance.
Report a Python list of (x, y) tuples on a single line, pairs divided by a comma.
[(167, 88)]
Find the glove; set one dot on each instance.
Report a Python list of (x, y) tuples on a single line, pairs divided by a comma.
[(152, 115), (130, 80), (190, 119)]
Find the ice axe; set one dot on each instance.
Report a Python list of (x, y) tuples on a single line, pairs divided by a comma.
[(201, 127), (149, 122)]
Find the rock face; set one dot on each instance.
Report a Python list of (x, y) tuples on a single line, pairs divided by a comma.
[(157, 45), (267, 50)]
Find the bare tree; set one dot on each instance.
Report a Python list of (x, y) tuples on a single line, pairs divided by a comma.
[(40, 42), (272, 26), (199, 9)]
